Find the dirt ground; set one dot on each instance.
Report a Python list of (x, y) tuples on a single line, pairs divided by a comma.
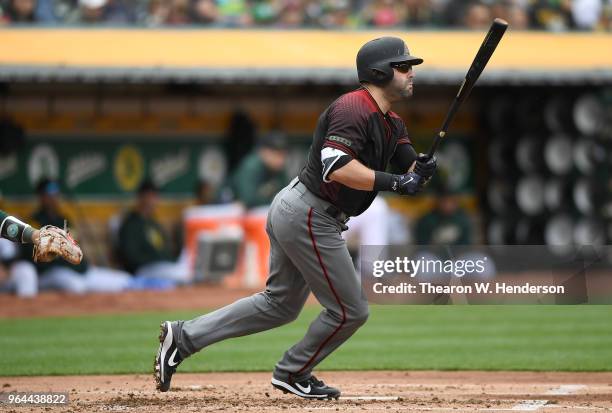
[(361, 392), (50, 304), (252, 392)]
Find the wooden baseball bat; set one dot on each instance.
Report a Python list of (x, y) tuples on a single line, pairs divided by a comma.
[(490, 42)]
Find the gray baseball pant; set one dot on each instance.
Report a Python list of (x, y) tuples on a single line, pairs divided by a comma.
[(307, 253)]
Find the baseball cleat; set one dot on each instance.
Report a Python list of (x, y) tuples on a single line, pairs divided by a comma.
[(310, 388), (167, 358)]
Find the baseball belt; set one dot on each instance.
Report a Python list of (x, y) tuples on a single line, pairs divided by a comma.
[(318, 203)]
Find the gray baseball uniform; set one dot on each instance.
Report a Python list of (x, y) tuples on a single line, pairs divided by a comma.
[(308, 253)]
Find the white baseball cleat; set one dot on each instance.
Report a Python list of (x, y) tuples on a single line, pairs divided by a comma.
[(167, 358)]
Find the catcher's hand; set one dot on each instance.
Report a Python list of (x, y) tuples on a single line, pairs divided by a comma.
[(53, 242)]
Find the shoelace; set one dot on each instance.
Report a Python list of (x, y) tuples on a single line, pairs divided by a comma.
[(316, 382)]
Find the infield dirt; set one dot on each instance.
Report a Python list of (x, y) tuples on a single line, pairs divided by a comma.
[(393, 392)]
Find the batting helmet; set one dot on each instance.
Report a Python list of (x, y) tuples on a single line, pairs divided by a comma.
[(374, 59)]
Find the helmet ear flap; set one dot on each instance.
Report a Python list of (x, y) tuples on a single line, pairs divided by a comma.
[(380, 76)]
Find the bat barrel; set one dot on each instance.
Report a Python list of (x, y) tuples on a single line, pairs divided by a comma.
[(488, 46)]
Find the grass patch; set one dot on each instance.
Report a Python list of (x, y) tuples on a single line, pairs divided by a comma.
[(568, 338)]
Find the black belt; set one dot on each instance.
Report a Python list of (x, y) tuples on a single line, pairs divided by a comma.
[(319, 203), (337, 214)]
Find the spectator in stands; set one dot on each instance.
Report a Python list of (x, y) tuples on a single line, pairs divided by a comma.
[(516, 16), (234, 13), (102, 11), (384, 13), (239, 138), (261, 175), (264, 12), (292, 14), (419, 13), (312, 13), (477, 16), (337, 15), (170, 12), (607, 16), (553, 15), (446, 224), (47, 10), (159, 13), (18, 11), (204, 192), (59, 274), (586, 14), (205, 12), (144, 246)]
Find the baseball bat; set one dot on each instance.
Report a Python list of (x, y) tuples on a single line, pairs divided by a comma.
[(490, 42)]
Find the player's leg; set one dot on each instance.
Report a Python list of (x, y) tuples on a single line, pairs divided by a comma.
[(279, 304), (319, 252), (166, 270), (101, 279), (24, 278), (64, 279)]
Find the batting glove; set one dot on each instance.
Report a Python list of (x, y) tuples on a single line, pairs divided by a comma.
[(407, 184), (425, 166)]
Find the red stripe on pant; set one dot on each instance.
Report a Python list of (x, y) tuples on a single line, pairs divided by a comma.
[(333, 290)]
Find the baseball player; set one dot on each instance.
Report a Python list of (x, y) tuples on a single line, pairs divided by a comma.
[(356, 138), (49, 242)]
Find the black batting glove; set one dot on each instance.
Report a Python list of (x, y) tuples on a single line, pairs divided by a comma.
[(406, 184), (425, 166)]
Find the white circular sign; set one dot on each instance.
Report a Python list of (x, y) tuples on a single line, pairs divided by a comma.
[(43, 163), (212, 166)]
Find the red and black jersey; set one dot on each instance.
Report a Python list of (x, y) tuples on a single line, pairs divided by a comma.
[(354, 127)]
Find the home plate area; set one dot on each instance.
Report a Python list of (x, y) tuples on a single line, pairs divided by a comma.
[(389, 391)]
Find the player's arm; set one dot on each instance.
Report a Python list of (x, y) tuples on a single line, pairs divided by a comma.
[(341, 168), (354, 175), (49, 242), (357, 176), (15, 230), (347, 135), (403, 159)]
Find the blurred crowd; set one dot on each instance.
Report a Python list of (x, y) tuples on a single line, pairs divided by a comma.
[(552, 15)]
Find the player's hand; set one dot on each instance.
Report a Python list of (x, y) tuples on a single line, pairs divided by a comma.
[(407, 184), (53, 242), (425, 166)]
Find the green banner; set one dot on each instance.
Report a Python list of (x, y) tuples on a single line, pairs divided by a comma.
[(112, 167), (116, 167)]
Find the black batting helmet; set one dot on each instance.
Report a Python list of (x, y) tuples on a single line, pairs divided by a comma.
[(374, 59)]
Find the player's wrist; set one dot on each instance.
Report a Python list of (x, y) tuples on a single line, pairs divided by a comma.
[(384, 181), (407, 184), (15, 230), (31, 235)]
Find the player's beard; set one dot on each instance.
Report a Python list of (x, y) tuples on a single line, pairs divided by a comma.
[(398, 89)]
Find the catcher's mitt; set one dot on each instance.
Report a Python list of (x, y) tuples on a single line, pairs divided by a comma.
[(54, 242)]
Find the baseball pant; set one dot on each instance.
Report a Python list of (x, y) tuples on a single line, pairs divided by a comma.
[(23, 279), (307, 254), (95, 279)]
